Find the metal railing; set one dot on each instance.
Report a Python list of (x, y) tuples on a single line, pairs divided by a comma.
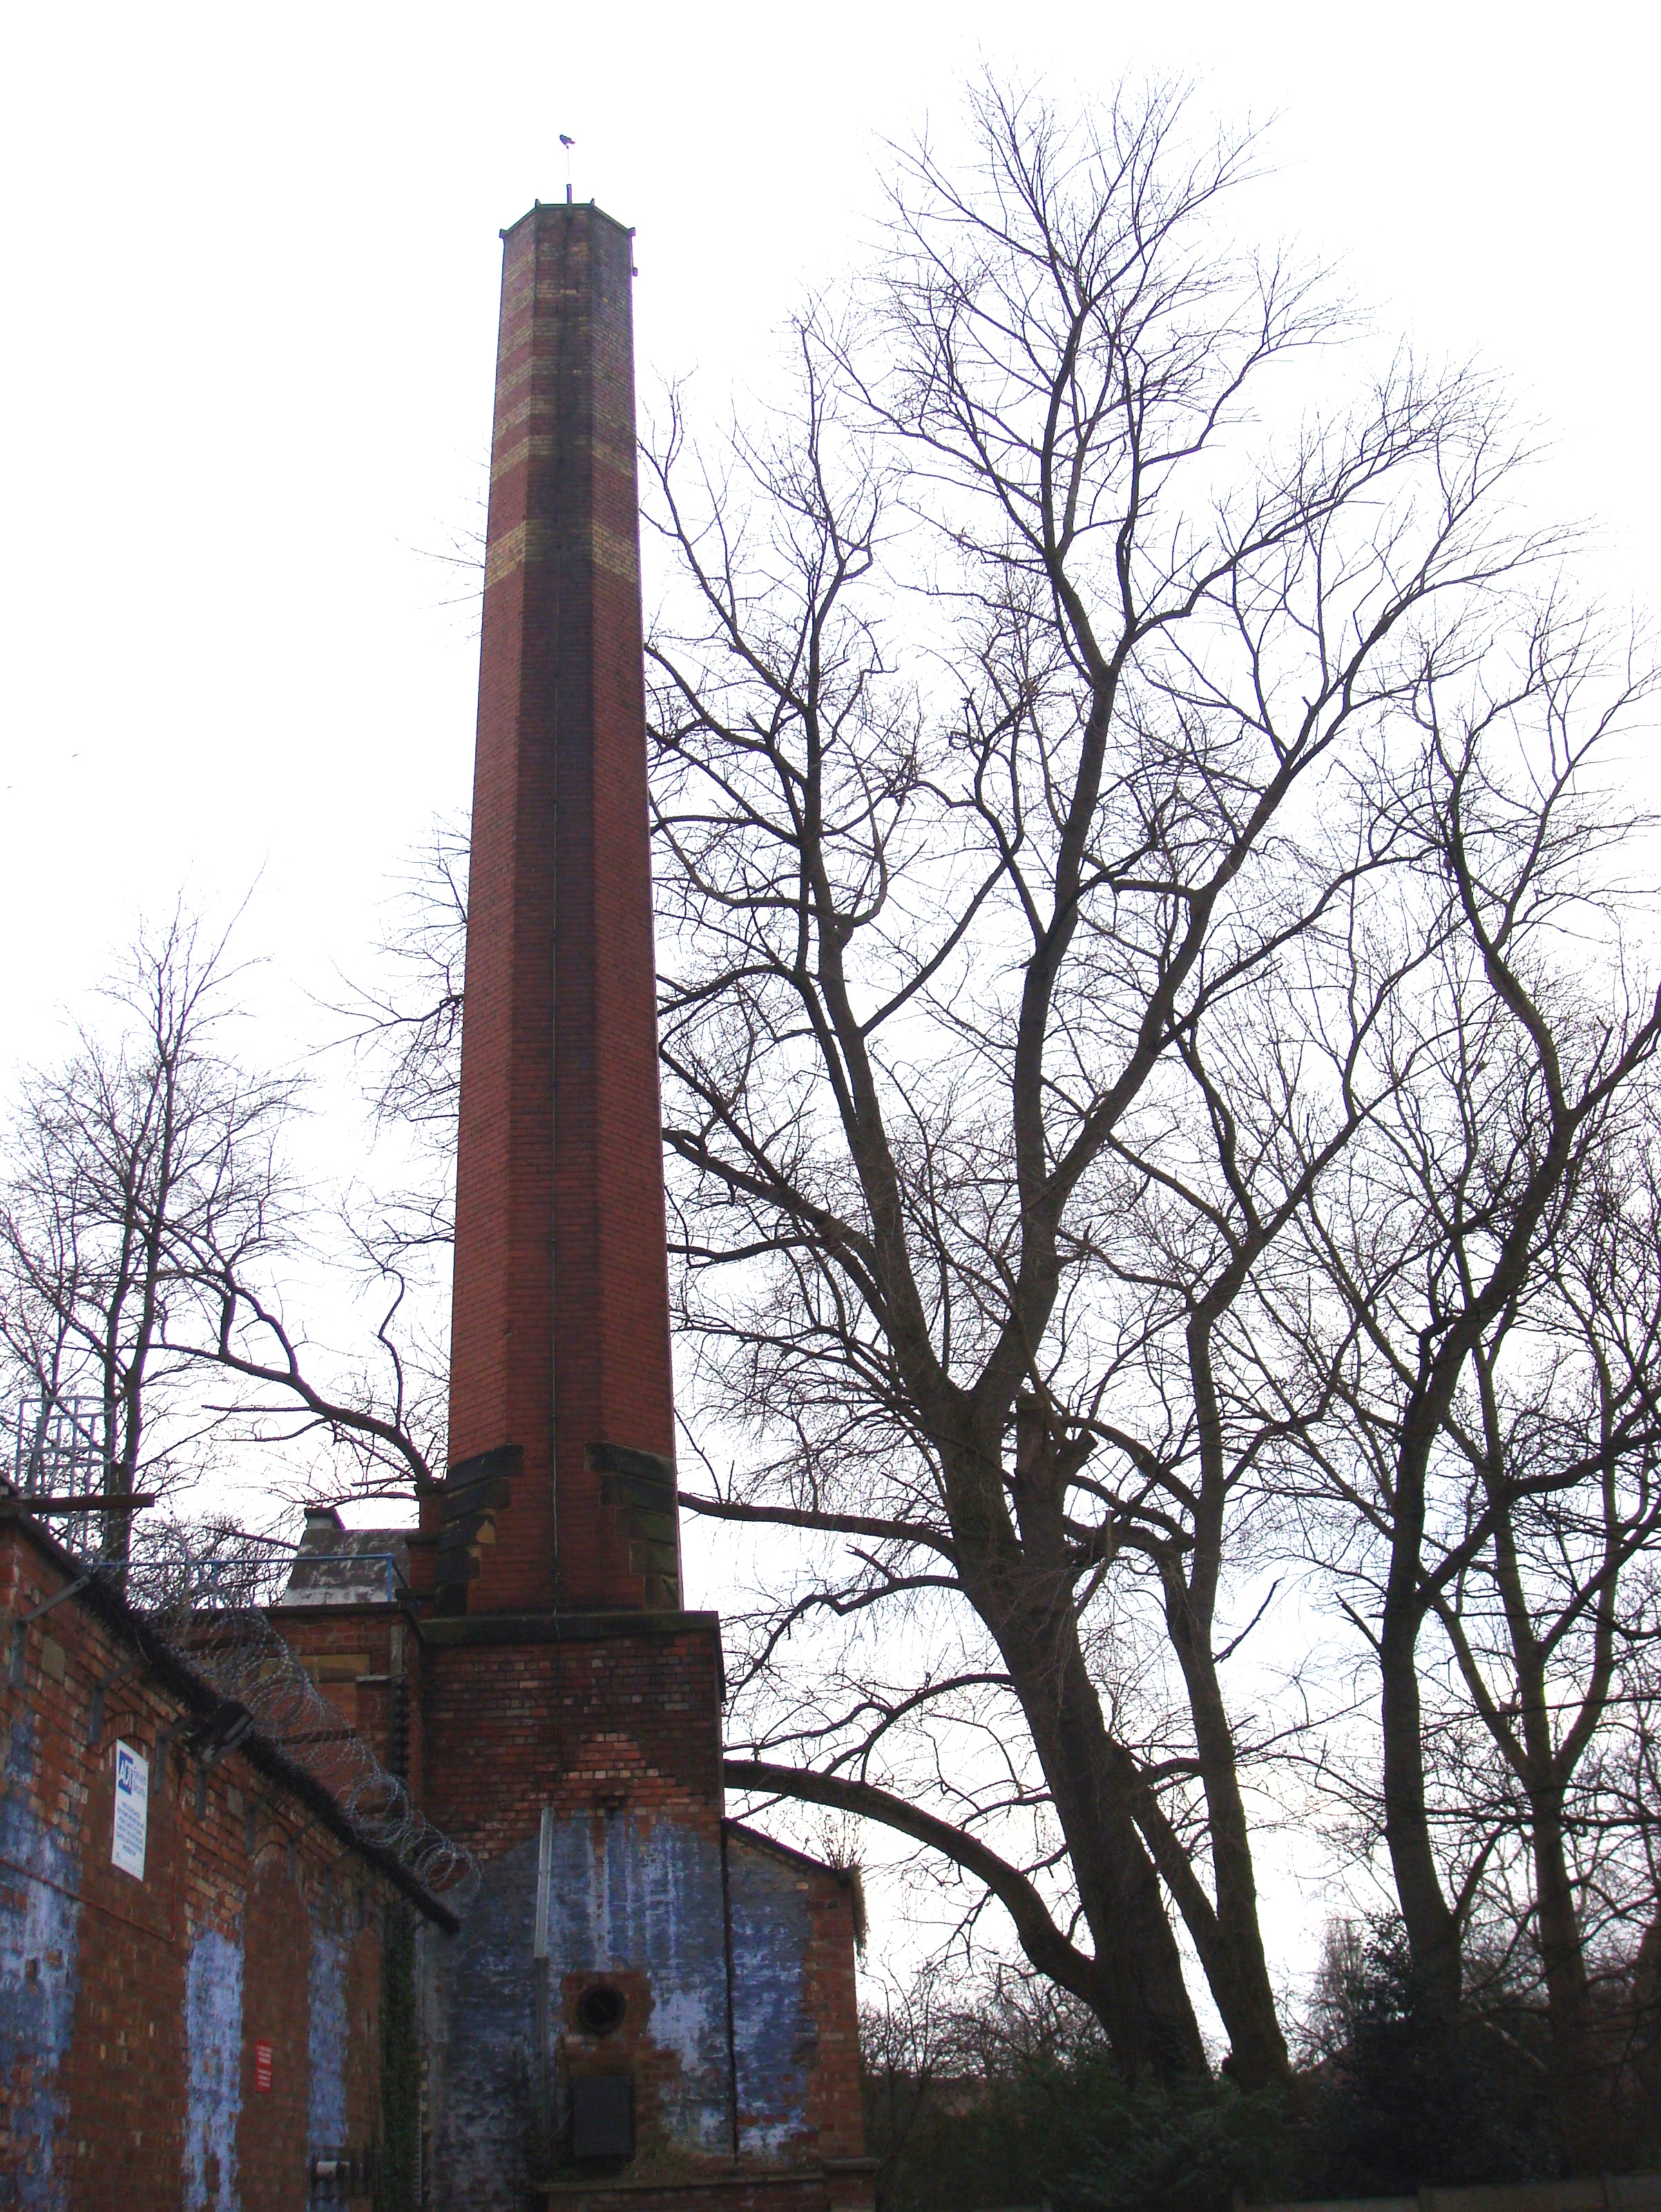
[(57, 1447), (58, 1455)]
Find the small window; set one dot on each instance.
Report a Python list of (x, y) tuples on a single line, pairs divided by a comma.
[(600, 2010)]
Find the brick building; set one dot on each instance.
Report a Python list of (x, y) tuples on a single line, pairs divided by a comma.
[(646, 2001), (200, 2023), (635, 2000)]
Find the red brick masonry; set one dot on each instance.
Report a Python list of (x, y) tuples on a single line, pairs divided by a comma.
[(130, 2009), (561, 1300), (550, 1704)]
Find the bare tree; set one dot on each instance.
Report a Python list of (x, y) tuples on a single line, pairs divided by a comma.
[(1636, 1791), (141, 1150), (1567, 1500), (1118, 837), (1543, 1507), (147, 1224), (1020, 724), (1449, 1240), (383, 1413), (402, 1027)]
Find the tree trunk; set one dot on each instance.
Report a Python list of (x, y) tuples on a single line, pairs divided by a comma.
[(1646, 2010), (115, 1536), (1153, 2028), (1574, 2086), (1433, 1931), (1148, 2017), (1236, 1971), (1239, 1980)]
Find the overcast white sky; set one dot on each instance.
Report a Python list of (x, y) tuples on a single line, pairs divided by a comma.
[(250, 281)]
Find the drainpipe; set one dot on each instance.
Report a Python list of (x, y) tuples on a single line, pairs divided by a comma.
[(541, 2101)]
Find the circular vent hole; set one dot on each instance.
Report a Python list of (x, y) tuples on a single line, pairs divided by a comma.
[(601, 2009)]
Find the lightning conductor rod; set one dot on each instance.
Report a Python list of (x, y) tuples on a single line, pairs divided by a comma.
[(568, 143)]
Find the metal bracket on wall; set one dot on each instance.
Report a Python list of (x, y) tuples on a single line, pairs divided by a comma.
[(100, 1693), (223, 1731), (20, 1627), (159, 1755)]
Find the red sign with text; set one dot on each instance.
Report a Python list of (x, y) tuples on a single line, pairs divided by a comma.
[(262, 2068)]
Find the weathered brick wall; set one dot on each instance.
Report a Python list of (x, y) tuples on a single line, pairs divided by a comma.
[(365, 1660), (836, 2109), (642, 1903), (795, 2003), (130, 2010), (651, 1893), (631, 1718), (620, 1733)]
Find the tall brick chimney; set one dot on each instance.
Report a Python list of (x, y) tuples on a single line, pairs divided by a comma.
[(560, 1493), (632, 1970)]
